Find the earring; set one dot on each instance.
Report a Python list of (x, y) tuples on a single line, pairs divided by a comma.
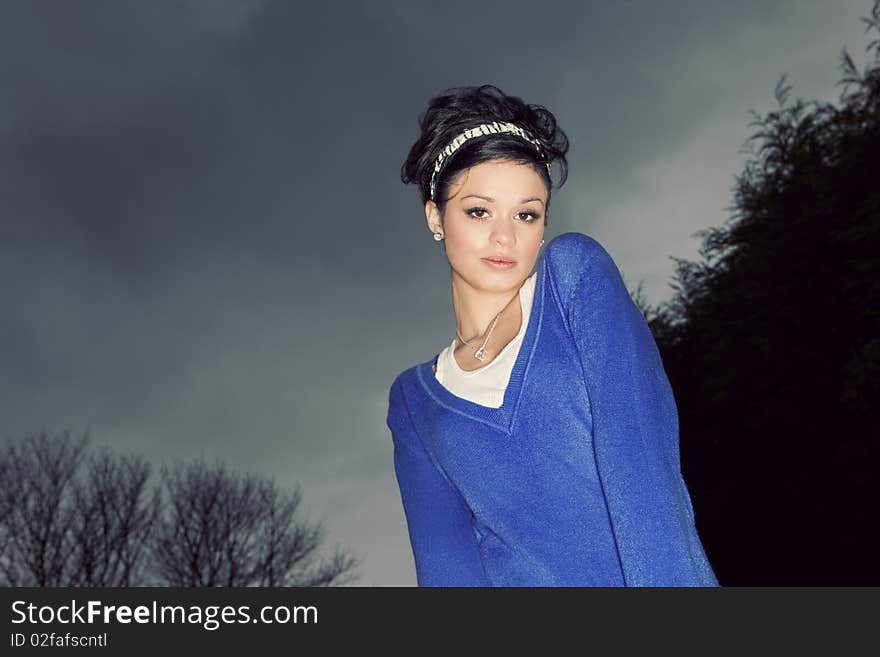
[(438, 236), (542, 243)]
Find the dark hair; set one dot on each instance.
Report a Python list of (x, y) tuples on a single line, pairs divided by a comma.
[(460, 108)]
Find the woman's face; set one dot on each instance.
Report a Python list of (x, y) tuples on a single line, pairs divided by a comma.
[(495, 210)]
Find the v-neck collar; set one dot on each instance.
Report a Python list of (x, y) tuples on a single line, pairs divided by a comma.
[(500, 418)]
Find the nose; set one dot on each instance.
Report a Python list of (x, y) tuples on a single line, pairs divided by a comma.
[(502, 234)]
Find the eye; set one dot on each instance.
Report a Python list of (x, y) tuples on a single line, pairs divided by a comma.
[(477, 209), (527, 216)]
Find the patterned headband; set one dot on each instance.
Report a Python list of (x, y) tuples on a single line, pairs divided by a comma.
[(479, 131)]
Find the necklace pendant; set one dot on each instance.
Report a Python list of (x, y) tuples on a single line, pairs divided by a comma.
[(480, 354)]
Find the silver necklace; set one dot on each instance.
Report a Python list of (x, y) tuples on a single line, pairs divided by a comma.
[(480, 353)]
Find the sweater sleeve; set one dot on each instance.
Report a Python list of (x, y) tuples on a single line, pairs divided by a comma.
[(443, 541), (635, 428)]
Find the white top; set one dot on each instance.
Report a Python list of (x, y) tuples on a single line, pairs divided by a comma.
[(486, 385)]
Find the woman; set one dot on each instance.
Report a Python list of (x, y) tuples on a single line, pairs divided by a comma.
[(540, 447)]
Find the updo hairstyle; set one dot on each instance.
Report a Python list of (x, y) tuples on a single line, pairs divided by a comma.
[(460, 108)]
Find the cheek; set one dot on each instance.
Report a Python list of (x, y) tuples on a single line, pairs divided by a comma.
[(463, 253), (459, 255), (464, 239)]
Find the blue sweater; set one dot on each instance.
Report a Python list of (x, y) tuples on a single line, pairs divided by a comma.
[(575, 480)]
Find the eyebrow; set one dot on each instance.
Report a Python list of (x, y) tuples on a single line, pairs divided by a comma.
[(492, 200)]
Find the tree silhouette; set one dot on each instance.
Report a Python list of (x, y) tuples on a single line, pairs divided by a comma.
[(113, 515), (223, 529), (36, 511), (60, 530), (74, 517), (772, 346)]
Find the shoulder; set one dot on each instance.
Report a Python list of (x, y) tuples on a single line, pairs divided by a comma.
[(573, 257), (397, 405), (395, 392), (401, 382), (573, 252)]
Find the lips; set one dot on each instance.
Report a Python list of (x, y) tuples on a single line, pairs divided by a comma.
[(499, 263)]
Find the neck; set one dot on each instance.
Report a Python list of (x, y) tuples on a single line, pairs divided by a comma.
[(475, 309)]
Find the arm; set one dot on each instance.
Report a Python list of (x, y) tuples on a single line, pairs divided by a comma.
[(438, 520), (635, 427)]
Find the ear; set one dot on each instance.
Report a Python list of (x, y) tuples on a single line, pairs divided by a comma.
[(432, 217)]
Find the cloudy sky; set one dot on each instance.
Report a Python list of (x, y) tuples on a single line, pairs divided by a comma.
[(205, 246)]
